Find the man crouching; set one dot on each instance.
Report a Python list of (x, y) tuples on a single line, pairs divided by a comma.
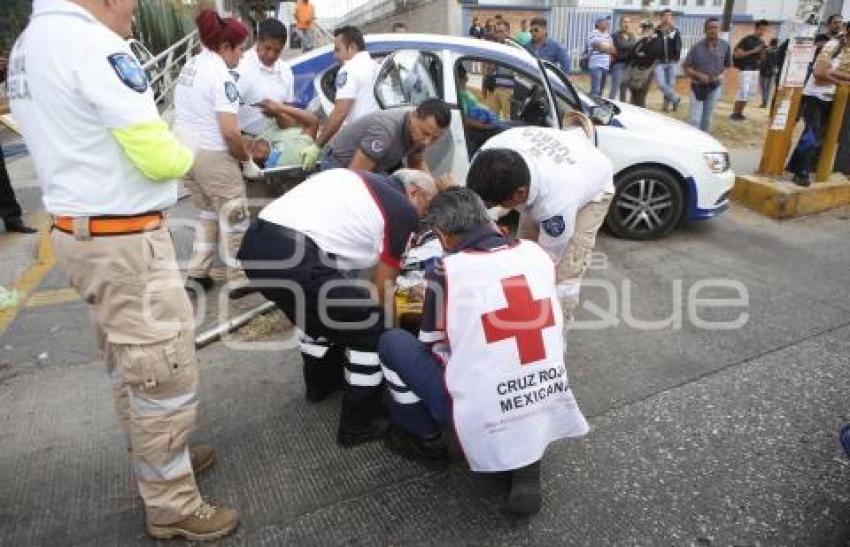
[(490, 354)]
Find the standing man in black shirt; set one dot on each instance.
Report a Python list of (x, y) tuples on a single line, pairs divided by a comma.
[(748, 55), (670, 50)]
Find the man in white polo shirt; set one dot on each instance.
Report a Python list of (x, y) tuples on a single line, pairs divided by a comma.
[(355, 82), (561, 184), (262, 75), (107, 165)]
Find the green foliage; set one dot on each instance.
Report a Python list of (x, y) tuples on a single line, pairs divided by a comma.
[(160, 23), (14, 15)]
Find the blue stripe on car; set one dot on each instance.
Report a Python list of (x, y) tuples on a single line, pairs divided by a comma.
[(694, 212)]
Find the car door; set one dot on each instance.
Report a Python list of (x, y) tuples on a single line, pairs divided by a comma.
[(528, 101), (408, 77)]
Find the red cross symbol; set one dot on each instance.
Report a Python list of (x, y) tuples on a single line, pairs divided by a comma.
[(524, 319)]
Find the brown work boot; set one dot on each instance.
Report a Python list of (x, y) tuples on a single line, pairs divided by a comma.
[(202, 457), (208, 522)]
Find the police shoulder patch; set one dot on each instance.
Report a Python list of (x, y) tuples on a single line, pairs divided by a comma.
[(129, 72), (341, 78), (377, 146), (554, 226), (231, 91)]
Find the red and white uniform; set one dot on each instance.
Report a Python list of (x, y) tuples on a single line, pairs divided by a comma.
[(505, 369)]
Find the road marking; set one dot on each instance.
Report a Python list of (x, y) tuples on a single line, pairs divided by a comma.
[(53, 297), (32, 277)]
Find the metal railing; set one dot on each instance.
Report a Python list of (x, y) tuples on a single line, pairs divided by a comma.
[(163, 69)]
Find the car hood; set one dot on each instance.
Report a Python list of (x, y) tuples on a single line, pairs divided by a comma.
[(665, 130)]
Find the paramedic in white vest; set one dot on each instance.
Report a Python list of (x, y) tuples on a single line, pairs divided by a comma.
[(355, 82), (305, 252), (562, 186), (107, 165), (490, 355)]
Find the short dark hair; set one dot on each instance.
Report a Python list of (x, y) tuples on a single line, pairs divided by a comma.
[(398, 25), (271, 29), (762, 23), (437, 108), (665, 11), (457, 211), (708, 22), (351, 35), (833, 16), (497, 173), (540, 22)]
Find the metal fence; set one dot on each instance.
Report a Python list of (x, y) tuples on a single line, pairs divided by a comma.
[(572, 26)]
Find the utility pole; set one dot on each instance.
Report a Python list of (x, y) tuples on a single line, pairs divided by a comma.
[(726, 22)]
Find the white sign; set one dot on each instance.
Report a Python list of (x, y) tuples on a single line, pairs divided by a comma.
[(780, 120), (800, 55)]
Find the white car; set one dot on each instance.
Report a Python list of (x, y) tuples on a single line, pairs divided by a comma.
[(665, 170)]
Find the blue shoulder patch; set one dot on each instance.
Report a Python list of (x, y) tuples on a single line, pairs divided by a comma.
[(341, 78), (231, 91), (554, 226), (128, 70)]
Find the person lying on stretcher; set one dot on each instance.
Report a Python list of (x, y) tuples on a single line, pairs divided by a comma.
[(288, 139)]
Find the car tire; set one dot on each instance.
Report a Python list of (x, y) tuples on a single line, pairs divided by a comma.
[(647, 204)]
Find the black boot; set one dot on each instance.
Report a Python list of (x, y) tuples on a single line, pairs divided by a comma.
[(430, 452), (524, 498), (322, 373), (360, 419)]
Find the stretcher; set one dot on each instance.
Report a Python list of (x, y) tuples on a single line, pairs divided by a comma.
[(276, 181)]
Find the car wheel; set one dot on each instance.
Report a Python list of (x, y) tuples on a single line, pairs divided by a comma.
[(647, 204)]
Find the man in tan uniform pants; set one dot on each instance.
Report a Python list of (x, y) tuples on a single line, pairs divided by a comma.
[(107, 165)]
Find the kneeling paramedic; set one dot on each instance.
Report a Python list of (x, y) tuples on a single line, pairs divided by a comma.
[(304, 253), (490, 354), (561, 185)]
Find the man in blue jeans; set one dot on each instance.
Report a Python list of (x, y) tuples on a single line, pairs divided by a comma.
[(600, 48), (489, 358), (705, 64), (670, 42)]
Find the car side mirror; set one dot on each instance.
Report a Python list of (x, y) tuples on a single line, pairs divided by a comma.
[(602, 114)]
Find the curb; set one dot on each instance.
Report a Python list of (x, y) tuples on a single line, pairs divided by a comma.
[(781, 200)]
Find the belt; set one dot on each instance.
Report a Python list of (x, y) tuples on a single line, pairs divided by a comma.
[(113, 225)]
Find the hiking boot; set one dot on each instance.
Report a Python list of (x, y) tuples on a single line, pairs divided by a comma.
[(206, 523), (348, 437), (524, 497), (430, 452), (202, 457)]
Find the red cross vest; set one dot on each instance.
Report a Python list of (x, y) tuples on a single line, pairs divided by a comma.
[(506, 374)]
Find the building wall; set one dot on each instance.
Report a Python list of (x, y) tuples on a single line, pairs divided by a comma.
[(428, 16)]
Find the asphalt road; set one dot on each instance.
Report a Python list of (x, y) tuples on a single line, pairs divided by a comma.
[(699, 436)]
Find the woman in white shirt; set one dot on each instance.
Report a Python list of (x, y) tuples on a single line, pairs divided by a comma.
[(206, 103)]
